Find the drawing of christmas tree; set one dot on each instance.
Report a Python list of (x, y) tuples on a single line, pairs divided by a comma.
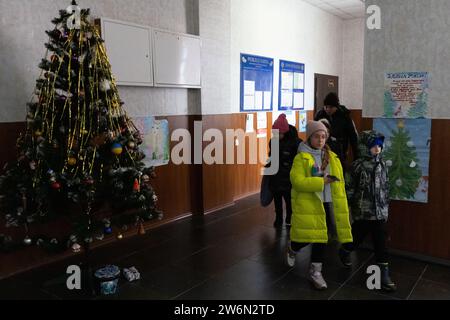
[(388, 105), (402, 161), (421, 108)]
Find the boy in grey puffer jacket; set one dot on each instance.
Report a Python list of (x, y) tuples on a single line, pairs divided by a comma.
[(368, 194)]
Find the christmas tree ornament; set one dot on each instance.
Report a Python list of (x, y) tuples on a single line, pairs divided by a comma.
[(33, 165), (131, 145), (72, 161), (54, 58), (105, 85), (136, 186), (116, 148), (107, 229), (141, 228), (389, 163), (399, 182), (27, 241), (76, 247), (100, 236), (56, 185), (38, 133), (119, 236)]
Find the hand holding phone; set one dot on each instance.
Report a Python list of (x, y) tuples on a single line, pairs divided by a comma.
[(331, 178)]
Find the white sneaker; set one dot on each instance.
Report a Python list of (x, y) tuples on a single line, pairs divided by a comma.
[(315, 275), (290, 255)]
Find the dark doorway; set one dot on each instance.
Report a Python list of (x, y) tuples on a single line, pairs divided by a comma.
[(324, 84)]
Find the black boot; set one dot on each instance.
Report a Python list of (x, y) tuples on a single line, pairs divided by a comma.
[(344, 255), (386, 283), (278, 223)]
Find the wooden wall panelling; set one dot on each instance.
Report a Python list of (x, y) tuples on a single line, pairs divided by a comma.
[(178, 186), (246, 177), (217, 179)]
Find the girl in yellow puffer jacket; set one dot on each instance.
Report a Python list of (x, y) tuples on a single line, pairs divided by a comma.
[(318, 190)]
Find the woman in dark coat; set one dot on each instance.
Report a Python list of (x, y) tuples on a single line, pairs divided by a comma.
[(280, 183)]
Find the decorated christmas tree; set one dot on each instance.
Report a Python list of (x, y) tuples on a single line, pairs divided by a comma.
[(401, 158), (80, 148)]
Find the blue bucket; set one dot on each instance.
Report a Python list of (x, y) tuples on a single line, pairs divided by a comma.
[(107, 279)]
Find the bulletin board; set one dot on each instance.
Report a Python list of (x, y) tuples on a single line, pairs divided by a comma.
[(291, 89), (256, 83)]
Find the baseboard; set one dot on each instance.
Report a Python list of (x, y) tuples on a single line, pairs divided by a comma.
[(221, 207), (246, 195)]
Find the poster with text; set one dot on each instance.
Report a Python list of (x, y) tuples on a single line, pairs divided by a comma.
[(406, 95), (261, 124), (155, 136), (302, 121), (291, 93), (407, 156), (256, 88)]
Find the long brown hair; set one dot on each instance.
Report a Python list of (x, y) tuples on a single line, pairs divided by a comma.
[(325, 157), (325, 154)]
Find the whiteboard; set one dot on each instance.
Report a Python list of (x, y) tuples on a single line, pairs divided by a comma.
[(128, 47), (176, 59)]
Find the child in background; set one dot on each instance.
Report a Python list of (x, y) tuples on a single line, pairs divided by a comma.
[(368, 193), (280, 184), (317, 188)]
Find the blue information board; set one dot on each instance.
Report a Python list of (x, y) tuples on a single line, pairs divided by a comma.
[(256, 83), (291, 89)]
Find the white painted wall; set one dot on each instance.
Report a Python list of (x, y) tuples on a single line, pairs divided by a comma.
[(414, 36), (22, 38), (215, 32), (351, 84), (284, 29)]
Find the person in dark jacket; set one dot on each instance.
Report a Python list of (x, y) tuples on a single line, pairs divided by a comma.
[(368, 195), (280, 183), (342, 127)]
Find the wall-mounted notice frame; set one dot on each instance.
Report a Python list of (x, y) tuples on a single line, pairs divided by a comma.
[(291, 89), (256, 83)]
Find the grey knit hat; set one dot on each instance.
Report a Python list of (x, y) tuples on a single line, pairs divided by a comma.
[(314, 126)]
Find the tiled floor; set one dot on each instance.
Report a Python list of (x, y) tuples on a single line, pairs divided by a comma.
[(231, 254)]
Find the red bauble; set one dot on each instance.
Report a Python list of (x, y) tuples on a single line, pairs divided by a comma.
[(56, 185), (136, 186)]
